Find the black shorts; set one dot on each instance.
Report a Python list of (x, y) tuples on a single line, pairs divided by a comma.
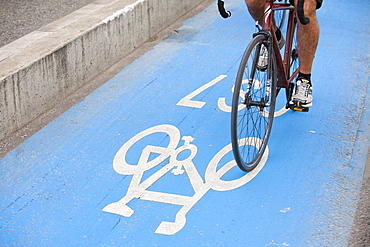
[(319, 3)]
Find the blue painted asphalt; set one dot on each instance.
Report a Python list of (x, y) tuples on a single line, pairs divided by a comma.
[(111, 171)]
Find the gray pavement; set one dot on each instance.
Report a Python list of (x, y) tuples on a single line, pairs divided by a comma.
[(18, 18)]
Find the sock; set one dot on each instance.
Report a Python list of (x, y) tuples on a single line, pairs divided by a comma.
[(305, 76)]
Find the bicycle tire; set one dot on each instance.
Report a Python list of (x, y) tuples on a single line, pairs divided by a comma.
[(294, 58), (252, 120), (293, 62)]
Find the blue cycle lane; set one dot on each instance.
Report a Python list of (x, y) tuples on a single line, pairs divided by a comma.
[(145, 160)]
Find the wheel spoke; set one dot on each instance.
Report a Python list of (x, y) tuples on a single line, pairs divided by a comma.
[(251, 124)]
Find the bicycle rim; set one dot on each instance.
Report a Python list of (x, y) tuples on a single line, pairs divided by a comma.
[(293, 68), (253, 106)]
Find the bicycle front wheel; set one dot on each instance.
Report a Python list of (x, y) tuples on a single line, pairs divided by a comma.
[(253, 103)]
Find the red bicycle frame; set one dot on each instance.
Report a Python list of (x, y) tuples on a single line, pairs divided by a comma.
[(283, 66)]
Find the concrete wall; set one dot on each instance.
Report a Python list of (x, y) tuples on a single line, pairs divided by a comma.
[(42, 68)]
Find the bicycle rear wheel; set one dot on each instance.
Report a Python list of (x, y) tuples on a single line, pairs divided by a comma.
[(293, 62), (290, 56), (281, 16), (253, 104)]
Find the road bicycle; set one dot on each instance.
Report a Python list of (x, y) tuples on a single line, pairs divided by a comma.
[(264, 71)]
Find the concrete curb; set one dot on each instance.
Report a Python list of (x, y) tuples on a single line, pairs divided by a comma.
[(40, 69)]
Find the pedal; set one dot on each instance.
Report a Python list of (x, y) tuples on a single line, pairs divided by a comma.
[(296, 106), (302, 109)]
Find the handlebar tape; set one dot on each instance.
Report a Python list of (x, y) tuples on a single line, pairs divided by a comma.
[(221, 9), (300, 9)]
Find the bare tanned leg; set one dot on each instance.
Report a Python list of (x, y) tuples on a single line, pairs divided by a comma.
[(255, 8), (308, 37)]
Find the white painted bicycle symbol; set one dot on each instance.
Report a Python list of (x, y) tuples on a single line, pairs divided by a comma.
[(138, 188)]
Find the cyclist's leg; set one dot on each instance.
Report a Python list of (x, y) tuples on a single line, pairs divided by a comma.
[(255, 8), (308, 37)]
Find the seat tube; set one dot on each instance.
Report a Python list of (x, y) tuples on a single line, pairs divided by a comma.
[(267, 17)]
